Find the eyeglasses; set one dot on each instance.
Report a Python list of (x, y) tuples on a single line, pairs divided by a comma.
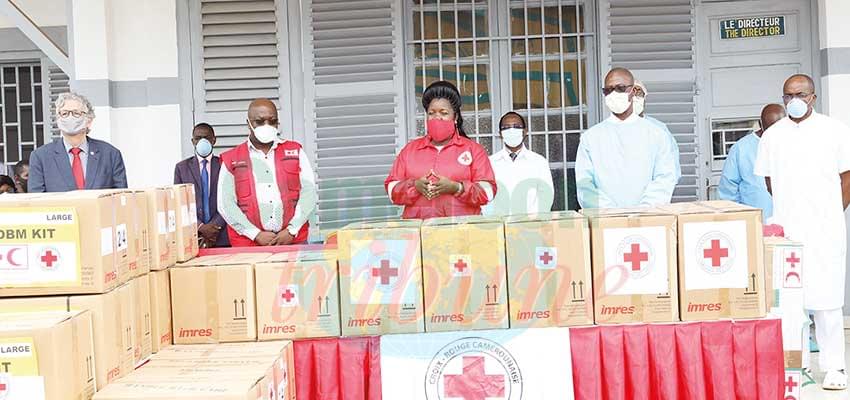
[(515, 126), (76, 113), (790, 96), (618, 88)]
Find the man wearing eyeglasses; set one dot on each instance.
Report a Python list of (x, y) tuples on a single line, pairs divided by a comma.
[(805, 159), (75, 161), (625, 160)]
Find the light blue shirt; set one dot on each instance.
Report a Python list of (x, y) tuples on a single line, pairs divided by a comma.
[(672, 142), (625, 164), (84, 153), (739, 183)]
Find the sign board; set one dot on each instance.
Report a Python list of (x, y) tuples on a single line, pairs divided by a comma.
[(752, 27)]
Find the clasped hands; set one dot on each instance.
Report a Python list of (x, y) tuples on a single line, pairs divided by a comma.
[(432, 185)]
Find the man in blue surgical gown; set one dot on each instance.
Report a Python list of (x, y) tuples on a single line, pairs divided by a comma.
[(625, 160)]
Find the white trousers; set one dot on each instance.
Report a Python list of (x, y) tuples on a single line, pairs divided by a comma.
[(829, 333)]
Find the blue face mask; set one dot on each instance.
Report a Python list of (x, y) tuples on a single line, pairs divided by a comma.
[(203, 148), (797, 108)]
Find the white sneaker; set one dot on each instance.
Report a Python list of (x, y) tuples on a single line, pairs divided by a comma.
[(835, 380)]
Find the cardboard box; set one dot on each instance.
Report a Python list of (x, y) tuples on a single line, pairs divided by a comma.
[(141, 309), (33, 304), (243, 258), (187, 221), (298, 296), (47, 356), (160, 296), (380, 280), (61, 243), (112, 324), (464, 273), (721, 260), (633, 252), (220, 351), (213, 304), (141, 235), (205, 260), (549, 276), (206, 377), (162, 228), (785, 270)]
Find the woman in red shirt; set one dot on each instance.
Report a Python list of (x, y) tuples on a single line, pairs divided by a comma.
[(444, 173)]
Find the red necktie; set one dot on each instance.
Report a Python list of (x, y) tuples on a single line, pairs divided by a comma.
[(77, 168)]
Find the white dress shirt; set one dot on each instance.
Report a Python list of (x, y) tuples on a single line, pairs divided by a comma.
[(524, 185)]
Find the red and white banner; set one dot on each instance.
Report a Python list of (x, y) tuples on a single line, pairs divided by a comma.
[(531, 364)]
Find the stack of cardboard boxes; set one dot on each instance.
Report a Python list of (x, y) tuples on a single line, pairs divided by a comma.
[(262, 371), (91, 253)]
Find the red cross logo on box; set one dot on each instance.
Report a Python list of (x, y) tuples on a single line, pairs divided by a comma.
[(792, 268), (288, 295), (545, 257), (636, 254), (792, 385), (474, 383), (49, 259), (385, 273), (4, 386), (715, 253), (460, 265)]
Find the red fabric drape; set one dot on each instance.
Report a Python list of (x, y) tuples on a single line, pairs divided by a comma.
[(739, 360)]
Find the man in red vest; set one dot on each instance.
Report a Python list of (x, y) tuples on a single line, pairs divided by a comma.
[(267, 191)]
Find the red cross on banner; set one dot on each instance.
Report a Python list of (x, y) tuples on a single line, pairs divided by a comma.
[(474, 383)]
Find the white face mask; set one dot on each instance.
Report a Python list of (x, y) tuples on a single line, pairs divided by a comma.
[(265, 133), (512, 137), (72, 125), (618, 102), (638, 103)]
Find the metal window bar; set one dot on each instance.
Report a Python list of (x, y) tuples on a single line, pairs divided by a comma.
[(22, 146), (496, 33)]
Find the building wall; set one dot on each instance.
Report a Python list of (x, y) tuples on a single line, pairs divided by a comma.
[(130, 73), (834, 35)]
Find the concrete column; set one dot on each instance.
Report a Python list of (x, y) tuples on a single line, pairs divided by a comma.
[(124, 54), (834, 34)]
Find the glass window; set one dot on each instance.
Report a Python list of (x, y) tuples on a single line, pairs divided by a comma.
[(540, 61), (21, 116), (724, 134)]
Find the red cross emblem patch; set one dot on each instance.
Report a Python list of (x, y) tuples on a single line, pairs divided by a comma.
[(465, 158)]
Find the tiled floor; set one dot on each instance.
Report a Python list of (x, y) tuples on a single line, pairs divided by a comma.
[(814, 391)]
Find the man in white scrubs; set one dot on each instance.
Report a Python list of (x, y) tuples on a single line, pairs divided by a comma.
[(625, 160), (523, 176), (805, 159)]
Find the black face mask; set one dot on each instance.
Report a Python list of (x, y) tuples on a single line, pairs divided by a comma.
[(23, 185)]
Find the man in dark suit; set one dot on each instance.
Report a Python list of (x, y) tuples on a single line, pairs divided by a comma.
[(202, 170), (75, 161)]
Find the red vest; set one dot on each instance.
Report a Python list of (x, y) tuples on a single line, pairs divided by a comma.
[(288, 176)]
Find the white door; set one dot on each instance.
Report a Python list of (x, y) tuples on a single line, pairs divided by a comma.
[(746, 50)]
